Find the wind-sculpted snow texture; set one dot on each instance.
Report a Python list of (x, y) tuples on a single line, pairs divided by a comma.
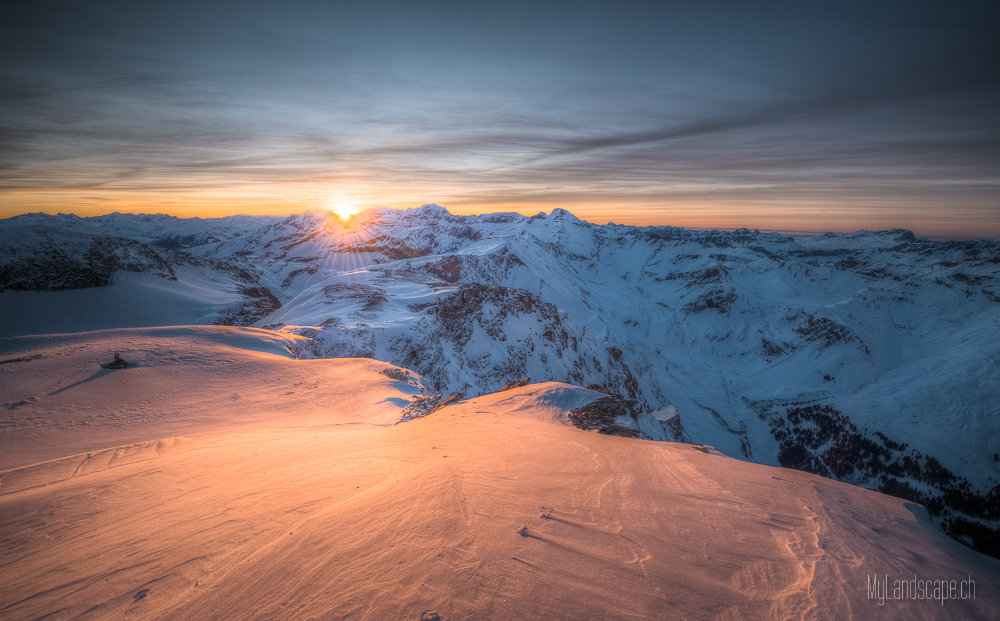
[(872, 357)]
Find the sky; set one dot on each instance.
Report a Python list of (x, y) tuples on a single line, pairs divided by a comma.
[(771, 115)]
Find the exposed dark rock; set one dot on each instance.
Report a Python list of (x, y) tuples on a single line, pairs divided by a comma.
[(715, 299), (287, 282), (391, 247), (694, 278), (825, 331), (396, 374), (261, 304), (448, 269), (422, 405), (600, 416), (770, 348), (970, 280), (516, 384), (674, 429), (457, 311), (618, 430)]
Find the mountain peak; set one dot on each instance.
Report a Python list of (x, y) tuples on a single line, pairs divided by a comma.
[(429, 209), (561, 214)]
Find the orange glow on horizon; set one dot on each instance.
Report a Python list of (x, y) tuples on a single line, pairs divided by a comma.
[(699, 212)]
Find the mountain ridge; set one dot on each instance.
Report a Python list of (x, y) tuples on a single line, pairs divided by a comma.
[(881, 345)]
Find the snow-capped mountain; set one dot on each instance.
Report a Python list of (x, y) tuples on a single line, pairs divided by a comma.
[(873, 358)]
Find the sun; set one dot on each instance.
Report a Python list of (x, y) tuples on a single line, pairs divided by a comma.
[(345, 208)]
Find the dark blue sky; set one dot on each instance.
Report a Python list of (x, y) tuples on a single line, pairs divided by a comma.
[(720, 114)]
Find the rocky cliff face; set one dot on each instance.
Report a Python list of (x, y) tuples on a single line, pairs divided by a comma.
[(870, 357)]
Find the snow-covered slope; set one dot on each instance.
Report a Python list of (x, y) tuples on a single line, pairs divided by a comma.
[(873, 358), (181, 379), (114, 273), (221, 478)]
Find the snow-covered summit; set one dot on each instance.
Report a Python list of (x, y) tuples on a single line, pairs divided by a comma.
[(220, 478)]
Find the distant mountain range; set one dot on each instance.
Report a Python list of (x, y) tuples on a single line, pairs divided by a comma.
[(873, 358)]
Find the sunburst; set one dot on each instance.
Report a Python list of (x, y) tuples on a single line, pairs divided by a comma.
[(343, 209)]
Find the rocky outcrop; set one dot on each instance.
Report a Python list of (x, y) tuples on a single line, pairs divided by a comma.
[(605, 415)]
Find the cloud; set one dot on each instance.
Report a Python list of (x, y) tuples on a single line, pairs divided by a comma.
[(643, 103)]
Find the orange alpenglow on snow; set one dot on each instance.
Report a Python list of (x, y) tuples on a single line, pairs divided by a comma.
[(220, 477)]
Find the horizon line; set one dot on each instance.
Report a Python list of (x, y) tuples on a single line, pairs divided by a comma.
[(730, 229)]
